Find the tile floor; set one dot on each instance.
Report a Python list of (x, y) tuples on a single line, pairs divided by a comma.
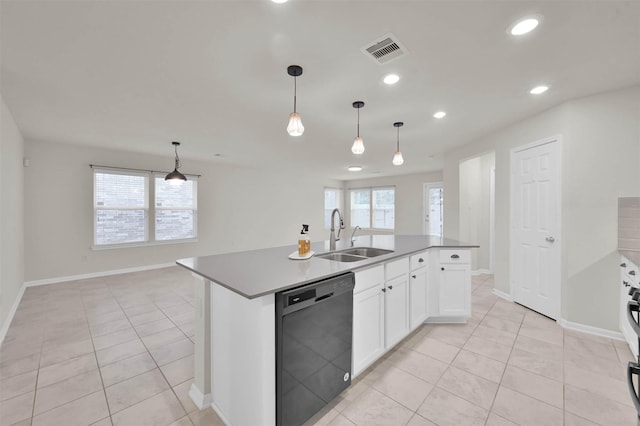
[(119, 350)]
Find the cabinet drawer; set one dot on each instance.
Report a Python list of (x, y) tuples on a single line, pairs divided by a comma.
[(368, 278), (396, 268), (455, 256), (419, 260)]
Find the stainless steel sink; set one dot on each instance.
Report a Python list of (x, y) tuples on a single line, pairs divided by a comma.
[(354, 254), (367, 251), (341, 257)]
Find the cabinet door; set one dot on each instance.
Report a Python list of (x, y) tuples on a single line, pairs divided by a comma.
[(418, 297), (396, 310), (368, 328), (454, 290)]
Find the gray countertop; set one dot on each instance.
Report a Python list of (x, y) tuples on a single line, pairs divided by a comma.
[(632, 255), (260, 272)]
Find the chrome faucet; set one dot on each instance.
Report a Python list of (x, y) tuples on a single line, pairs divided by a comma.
[(353, 234), (332, 237)]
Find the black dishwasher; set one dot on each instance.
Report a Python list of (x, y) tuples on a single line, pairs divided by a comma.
[(314, 326)]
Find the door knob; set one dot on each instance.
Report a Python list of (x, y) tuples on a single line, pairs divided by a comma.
[(550, 239)]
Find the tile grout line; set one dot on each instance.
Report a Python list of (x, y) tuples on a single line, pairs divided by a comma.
[(95, 354), (151, 356), (35, 390), (506, 365)]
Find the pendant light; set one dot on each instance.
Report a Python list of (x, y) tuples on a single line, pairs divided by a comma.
[(397, 157), (295, 127), (175, 176), (358, 144)]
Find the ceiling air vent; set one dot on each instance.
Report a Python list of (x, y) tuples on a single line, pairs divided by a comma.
[(385, 49)]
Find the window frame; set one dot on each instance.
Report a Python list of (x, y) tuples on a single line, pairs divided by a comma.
[(339, 197), (372, 210), (150, 210)]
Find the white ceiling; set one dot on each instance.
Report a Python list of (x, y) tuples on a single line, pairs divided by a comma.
[(136, 75)]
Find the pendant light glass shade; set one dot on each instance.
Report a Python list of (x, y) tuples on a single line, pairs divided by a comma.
[(175, 177), (358, 144), (295, 127), (397, 157)]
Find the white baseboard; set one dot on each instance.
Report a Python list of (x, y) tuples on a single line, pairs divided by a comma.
[(97, 274), (480, 272), (602, 332), (220, 414), (502, 295), (446, 320), (201, 400), (12, 312)]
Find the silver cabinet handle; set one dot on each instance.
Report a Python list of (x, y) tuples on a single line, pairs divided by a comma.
[(550, 239)]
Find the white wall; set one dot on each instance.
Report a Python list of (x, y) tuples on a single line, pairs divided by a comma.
[(408, 196), (238, 209), (601, 145), (475, 189), (11, 212)]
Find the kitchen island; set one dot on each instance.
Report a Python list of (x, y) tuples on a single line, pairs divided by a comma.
[(235, 310)]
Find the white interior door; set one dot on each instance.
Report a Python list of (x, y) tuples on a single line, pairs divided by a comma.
[(535, 226), (433, 204)]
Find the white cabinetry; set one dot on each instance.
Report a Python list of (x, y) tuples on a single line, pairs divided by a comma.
[(452, 288), (368, 318), (380, 311), (392, 299), (396, 301), (418, 289)]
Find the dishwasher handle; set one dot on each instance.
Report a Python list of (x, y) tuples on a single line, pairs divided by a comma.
[(326, 296)]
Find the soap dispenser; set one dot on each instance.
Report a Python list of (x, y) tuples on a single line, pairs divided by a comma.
[(304, 243)]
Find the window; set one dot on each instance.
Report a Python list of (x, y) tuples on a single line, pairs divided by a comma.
[(124, 204), (175, 210), (332, 200), (373, 208)]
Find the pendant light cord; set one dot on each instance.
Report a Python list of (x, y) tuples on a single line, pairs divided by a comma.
[(398, 144), (358, 121), (295, 92), (177, 158)]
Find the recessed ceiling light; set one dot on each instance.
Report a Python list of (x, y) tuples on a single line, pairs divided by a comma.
[(524, 26), (354, 168), (538, 89), (279, 1), (439, 114), (391, 78)]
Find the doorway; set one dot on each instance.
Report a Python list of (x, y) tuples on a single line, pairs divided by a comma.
[(535, 226), (433, 209)]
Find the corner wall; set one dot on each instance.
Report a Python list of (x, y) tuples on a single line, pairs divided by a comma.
[(11, 214), (600, 150), (475, 196)]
